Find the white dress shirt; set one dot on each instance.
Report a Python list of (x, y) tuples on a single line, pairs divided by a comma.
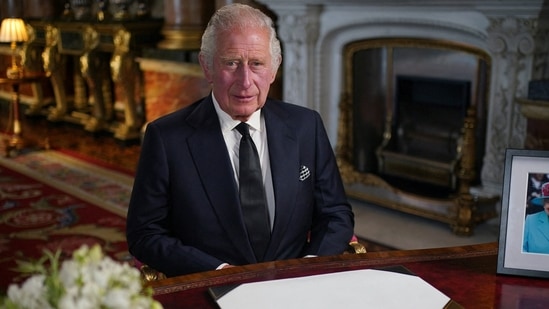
[(258, 132)]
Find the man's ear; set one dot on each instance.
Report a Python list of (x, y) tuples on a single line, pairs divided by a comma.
[(275, 69), (205, 67)]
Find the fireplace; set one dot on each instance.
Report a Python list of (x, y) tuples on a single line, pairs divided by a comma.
[(406, 106), (512, 37), (411, 127)]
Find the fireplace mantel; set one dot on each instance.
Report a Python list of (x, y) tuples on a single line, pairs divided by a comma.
[(514, 33)]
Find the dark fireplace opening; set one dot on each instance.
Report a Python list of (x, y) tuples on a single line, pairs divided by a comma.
[(429, 115), (427, 124)]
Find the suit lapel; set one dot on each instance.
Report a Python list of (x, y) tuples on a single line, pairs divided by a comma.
[(209, 153), (284, 157)]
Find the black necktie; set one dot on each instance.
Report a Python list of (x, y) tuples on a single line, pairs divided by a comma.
[(252, 194)]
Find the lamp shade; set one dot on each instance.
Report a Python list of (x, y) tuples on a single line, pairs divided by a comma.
[(13, 30)]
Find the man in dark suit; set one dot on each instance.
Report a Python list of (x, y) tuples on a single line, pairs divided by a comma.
[(185, 213)]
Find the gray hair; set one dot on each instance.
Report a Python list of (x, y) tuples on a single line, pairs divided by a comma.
[(238, 16)]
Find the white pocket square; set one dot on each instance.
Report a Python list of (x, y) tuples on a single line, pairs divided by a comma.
[(304, 173)]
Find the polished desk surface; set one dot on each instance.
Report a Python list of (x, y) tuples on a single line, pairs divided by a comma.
[(466, 274)]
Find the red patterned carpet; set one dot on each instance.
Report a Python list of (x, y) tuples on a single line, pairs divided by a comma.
[(49, 200)]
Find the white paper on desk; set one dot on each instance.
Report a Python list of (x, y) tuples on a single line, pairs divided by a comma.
[(350, 289)]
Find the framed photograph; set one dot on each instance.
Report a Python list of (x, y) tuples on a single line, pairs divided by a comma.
[(524, 228)]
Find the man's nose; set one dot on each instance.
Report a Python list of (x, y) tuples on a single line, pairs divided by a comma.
[(244, 75)]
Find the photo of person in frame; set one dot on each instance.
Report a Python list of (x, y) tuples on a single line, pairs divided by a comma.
[(536, 225), (535, 181)]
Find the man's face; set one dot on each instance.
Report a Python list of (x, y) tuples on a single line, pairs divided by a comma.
[(546, 206), (242, 71)]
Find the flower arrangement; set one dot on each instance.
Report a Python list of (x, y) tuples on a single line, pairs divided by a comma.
[(89, 280)]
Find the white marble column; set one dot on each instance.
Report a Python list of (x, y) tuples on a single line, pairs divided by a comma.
[(298, 32), (511, 45)]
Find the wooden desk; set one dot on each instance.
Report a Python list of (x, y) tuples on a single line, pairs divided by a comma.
[(466, 274)]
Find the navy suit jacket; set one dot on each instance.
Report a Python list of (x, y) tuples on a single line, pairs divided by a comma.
[(184, 214)]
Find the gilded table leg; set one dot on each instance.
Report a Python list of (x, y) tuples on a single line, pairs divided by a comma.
[(126, 74), (54, 65)]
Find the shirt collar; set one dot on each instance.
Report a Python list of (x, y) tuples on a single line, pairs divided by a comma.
[(227, 123)]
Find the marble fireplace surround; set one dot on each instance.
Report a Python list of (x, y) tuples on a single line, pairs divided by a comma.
[(513, 33)]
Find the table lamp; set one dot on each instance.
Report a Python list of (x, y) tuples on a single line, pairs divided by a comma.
[(13, 30)]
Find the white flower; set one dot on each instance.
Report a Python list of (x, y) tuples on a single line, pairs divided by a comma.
[(32, 294), (89, 280), (117, 298)]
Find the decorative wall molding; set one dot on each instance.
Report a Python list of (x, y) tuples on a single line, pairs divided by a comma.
[(298, 30), (511, 45)]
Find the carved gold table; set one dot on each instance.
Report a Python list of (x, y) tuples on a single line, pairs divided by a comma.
[(100, 58)]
